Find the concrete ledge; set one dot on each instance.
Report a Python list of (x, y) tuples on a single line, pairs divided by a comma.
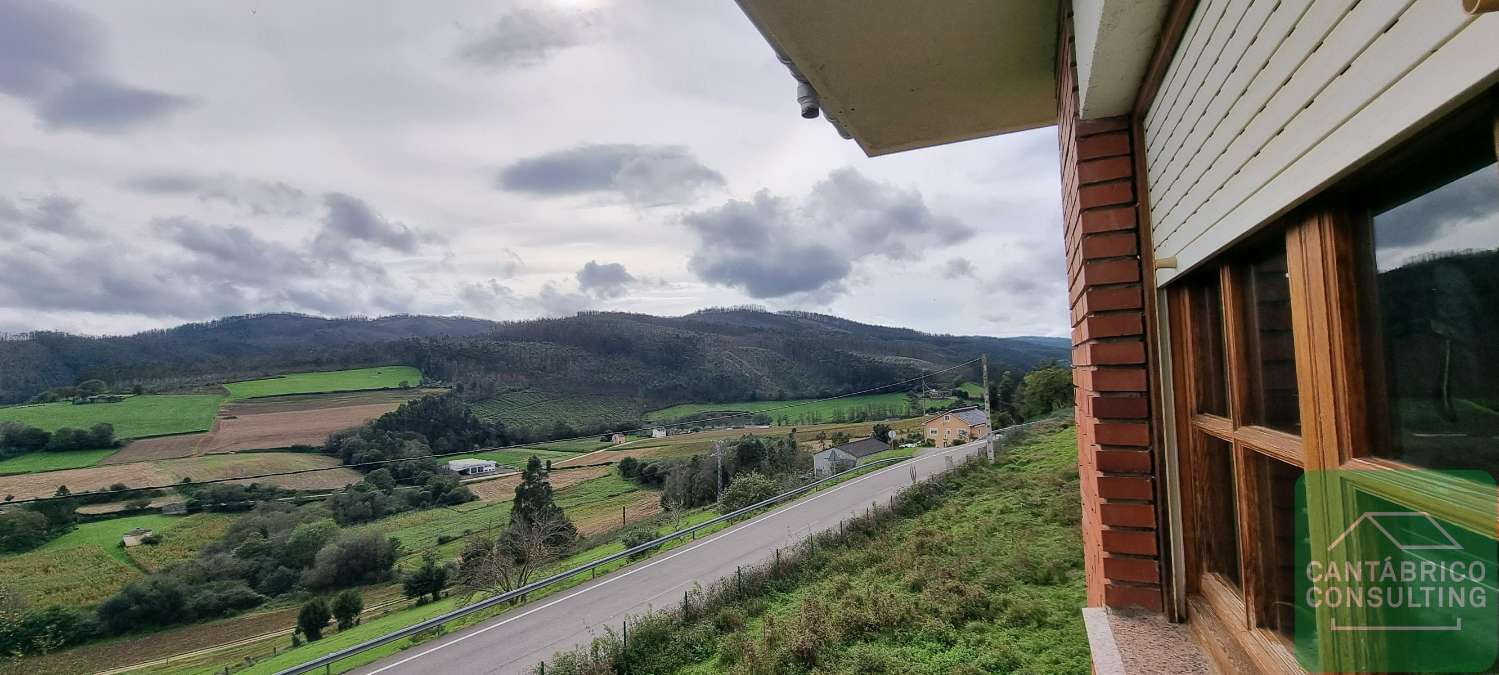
[(1128, 643)]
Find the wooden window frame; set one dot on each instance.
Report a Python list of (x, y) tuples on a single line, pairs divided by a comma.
[(1336, 346)]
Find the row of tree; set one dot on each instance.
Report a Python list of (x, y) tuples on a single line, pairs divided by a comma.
[(19, 439)]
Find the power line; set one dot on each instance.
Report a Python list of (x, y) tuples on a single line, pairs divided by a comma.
[(524, 446)]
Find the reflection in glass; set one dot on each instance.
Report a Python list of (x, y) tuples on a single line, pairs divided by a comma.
[(1275, 486), (1207, 340), (1438, 323), (1220, 510), (1273, 400)]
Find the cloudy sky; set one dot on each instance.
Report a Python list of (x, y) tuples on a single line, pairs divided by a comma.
[(171, 162)]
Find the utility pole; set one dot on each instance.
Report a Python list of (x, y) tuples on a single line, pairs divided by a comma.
[(718, 473), (988, 414)]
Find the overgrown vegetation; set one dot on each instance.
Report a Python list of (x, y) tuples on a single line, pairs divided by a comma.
[(976, 572), (692, 482), (412, 432)]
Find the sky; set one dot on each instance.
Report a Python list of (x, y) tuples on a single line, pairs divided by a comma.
[(162, 163)]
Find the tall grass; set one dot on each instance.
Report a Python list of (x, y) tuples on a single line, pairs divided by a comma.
[(976, 571)]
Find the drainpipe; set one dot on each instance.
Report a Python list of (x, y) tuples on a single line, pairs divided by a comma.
[(806, 94)]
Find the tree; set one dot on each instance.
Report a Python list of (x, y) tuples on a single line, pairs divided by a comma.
[(22, 530), (92, 387), (313, 619), (749, 454), (353, 560), (881, 431), (429, 579), (747, 488), (347, 606), (629, 467), (494, 565), (534, 503), (1045, 389)]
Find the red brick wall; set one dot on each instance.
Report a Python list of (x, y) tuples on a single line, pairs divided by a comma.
[(1116, 455)]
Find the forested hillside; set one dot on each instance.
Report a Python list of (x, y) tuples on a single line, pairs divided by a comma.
[(712, 355)]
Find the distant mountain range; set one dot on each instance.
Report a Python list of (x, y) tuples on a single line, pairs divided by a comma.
[(712, 355)]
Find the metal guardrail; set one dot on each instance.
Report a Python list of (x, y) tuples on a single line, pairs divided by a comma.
[(436, 621)]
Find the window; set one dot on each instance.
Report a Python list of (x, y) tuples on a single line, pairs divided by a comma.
[(1234, 333), (1429, 254), (1361, 332)]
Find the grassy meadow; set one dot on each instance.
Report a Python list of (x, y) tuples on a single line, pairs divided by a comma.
[(54, 461), (384, 377), (806, 411), (87, 565), (134, 417), (977, 572)]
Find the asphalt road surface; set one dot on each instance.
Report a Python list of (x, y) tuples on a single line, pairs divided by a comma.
[(516, 641)]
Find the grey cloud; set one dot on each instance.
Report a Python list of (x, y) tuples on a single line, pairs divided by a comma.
[(609, 280), (50, 56), (487, 297), (256, 197), (230, 252), (646, 175), (957, 268), (96, 105), (526, 36), (350, 220), (774, 246), (507, 263), (556, 302), (1435, 213), (52, 214)]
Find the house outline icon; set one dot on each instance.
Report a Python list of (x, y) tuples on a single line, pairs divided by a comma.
[(1374, 516)]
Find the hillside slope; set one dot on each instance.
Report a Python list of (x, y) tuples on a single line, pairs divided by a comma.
[(713, 355)]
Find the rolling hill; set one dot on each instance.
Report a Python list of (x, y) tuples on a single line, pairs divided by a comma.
[(717, 355)]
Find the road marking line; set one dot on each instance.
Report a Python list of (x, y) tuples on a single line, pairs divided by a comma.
[(612, 578)]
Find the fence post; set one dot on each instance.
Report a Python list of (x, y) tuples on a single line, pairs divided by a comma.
[(739, 580)]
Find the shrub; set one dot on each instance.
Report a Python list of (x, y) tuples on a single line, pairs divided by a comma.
[(22, 530), (347, 606), (43, 631), (748, 488), (353, 560), (313, 618), (636, 536)]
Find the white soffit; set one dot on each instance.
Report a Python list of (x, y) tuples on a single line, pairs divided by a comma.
[(901, 75), (1114, 41)]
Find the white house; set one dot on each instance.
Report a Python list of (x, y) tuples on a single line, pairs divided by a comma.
[(472, 467), (658, 433), (844, 457)]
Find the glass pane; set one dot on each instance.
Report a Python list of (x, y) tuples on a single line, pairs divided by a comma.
[(1219, 529), (1210, 370), (1437, 261), (1268, 343), (1275, 518)]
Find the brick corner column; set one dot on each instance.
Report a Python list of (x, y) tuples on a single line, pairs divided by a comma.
[(1116, 455)]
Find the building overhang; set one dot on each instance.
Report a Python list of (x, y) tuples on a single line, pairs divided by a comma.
[(899, 75)]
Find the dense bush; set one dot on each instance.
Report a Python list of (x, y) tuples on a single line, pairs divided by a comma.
[(179, 596), (42, 631), (748, 488), (22, 530), (635, 536), (353, 560), (18, 439)]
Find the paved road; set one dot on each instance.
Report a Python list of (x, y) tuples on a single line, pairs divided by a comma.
[(516, 641)]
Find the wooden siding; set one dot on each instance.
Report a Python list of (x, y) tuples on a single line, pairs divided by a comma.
[(1267, 102)]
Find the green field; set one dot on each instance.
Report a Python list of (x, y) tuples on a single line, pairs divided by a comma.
[(543, 411), (385, 377), (134, 417), (806, 411), (54, 461), (517, 457), (87, 565)]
